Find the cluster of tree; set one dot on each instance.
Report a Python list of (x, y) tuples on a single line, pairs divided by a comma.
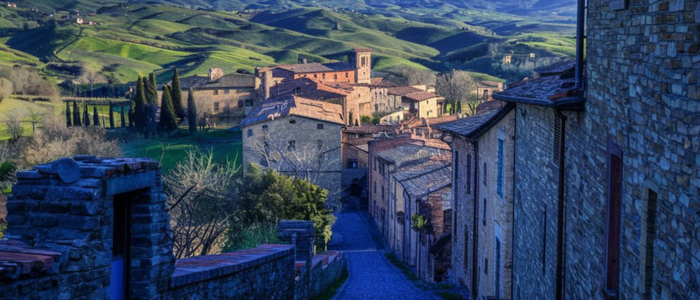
[(144, 106), (215, 208), (23, 81)]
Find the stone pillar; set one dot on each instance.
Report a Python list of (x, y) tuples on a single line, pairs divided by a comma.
[(301, 235)]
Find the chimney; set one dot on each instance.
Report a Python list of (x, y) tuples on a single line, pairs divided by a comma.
[(215, 74), (304, 61)]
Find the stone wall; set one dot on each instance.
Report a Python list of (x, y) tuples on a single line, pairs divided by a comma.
[(536, 187), (463, 212), (67, 206), (643, 65), (265, 272)]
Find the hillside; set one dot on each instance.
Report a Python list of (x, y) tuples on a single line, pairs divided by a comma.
[(137, 39)]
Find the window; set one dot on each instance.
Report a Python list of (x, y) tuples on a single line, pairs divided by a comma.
[(240, 103), (363, 61), (485, 174), (469, 174), (486, 265), (486, 94), (292, 145), (497, 268), (216, 107), (612, 232), (648, 236), (383, 193), (500, 170), (227, 91), (335, 76), (556, 147), (297, 90), (375, 187), (484, 210), (315, 76), (264, 127), (216, 92), (250, 132), (347, 74), (324, 75), (319, 126), (292, 121), (249, 103), (319, 144), (352, 164)]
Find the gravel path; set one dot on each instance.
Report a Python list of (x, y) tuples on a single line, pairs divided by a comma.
[(372, 276)]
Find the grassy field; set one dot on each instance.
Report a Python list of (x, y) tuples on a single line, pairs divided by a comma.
[(223, 144), (21, 108)]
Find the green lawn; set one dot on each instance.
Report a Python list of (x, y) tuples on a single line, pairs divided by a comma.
[(21, 108), (225, 145)]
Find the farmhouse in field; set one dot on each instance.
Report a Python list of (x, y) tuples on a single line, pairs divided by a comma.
[(222, 98)]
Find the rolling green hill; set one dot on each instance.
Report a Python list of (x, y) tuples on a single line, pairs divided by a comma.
[(136, 39)]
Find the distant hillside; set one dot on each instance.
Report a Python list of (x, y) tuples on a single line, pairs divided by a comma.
[(133, 39)]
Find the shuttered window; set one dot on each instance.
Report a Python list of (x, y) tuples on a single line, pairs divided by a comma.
[(469, 174), (556, 150), (614, 207)]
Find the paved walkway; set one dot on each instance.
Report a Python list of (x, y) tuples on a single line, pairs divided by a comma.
[(372, 276)]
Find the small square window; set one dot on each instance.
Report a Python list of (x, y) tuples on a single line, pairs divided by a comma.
[(264, 127), (319, 126), (216, 92), (249, 103), (292, 145), (250, 132), (352, 164), (292, 121), (217, 106), (227, 91)]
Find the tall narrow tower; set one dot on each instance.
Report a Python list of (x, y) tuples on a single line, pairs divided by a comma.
[(363, 65)]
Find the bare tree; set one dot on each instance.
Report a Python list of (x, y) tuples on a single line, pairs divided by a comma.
[(202, 197), (6, 88), (410, 76), (91, 75), (13, 126), (35, 116), (455, 86), (308, 161)]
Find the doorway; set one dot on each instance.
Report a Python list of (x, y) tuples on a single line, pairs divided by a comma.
[(121, 244)]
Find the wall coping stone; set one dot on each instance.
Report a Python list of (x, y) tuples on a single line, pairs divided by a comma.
[(200, 268)]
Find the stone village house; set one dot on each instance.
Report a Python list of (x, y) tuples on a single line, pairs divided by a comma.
[(296, 136), (482, 231), (94, 228), (406, 177), (223, 98)]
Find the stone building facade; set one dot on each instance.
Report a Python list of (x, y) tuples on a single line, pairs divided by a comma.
[(296, 137), (606, 198), (482, 235), (221, 98)]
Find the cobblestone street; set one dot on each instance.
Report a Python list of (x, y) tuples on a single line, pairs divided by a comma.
[(372, 276)]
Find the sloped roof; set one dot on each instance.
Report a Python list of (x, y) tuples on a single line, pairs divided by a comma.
[(293, 105), (428, 182), (422, 96), (489, 106), (405, 154), (231, 81), (475, 125), (553, 86), (317, 67), (402, 90), (424, 122), (420, 167)]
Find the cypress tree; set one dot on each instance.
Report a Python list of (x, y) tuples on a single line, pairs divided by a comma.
[(111, 115), (191, 112), (151, 89), (168, 120), (121, 112), (95, 116), (140, 111), (68, 115), (76, 114), (177, 95), (86, 116)]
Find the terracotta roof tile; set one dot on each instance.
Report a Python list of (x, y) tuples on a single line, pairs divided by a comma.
[(422, 96), (402, 90), (317, 67), (294, 105)]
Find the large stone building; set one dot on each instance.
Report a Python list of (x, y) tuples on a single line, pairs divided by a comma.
[(607, 168), (418, 102), (221, 98), (357, 70), (296, 137), (482, 235)]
